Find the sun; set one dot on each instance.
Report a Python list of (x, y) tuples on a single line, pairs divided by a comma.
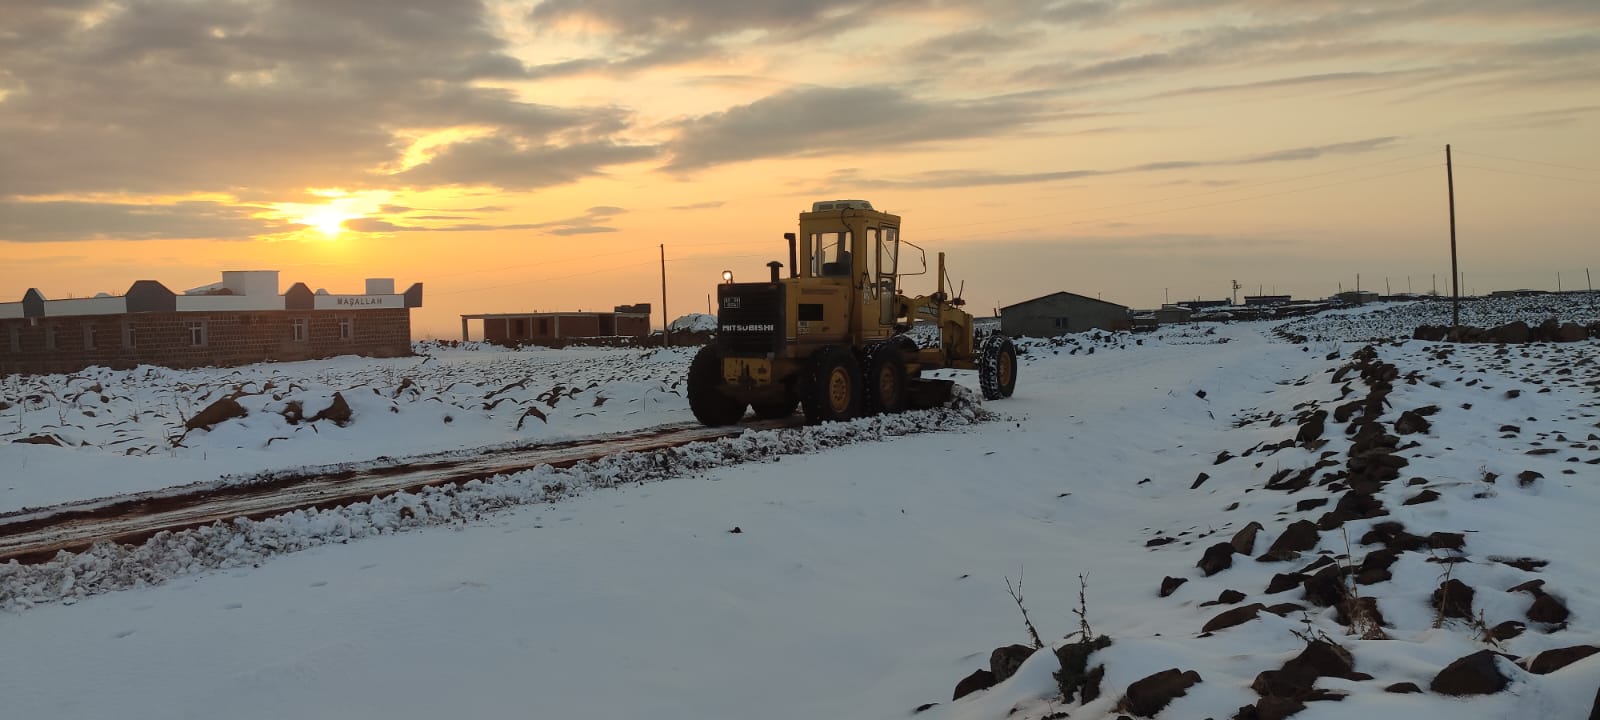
[(328, 220)]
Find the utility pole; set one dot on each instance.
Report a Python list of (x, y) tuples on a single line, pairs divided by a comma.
[(1386, 289), (666, 335), (1235, 292), (1450, 186), (1558, 281)]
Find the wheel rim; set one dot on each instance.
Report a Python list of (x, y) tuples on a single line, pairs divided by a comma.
[(1005, 368), (839, 390), (888, 383)]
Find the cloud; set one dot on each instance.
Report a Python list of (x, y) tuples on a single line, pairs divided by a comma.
[(854, 178), (67, 221), (504, 162), (700, 206), (270, 97), (592, 221), (814, 121)]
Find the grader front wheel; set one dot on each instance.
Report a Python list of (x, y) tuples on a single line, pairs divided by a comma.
[(711, 406), (997, 367)]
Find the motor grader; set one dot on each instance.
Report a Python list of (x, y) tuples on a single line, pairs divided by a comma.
[(833, 336)]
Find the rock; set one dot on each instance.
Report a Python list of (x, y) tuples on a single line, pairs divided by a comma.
[(1309, 504), (40, 440), (1230, 618), (1512, 332), (1159, 541), (1375, 566), (1198, 480), (1475, 674), (1147, 696), (1430, 333), (1284, 581), (1326, 588), (1244, 541), (338, 411), (979, 680), (1217, 558), (1426, 496), (217, 412), (1594, 712), (1571, 332), (1453, 598), (1447, 540), (1223, 457), (1312, 428), (1411, 423), (1526, 477), (1004, 661), (1550, 661), (1507, 630), (1547, 609), (1075, 676), (1403, 688), (1285, 609), (1170, 584), (1300, 535)]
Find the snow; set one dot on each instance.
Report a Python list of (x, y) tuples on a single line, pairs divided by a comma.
[(695, 322), (867, 577)]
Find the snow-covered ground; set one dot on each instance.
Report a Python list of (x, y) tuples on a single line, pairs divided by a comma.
[(851, 580)]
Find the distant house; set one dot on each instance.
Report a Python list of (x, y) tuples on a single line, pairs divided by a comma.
[(1060, 313), (1267, 300), (242, 319), (1169, 314), (540, 328), (1356, 297)]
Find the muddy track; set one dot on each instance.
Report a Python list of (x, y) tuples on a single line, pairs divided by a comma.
[(37, 535)]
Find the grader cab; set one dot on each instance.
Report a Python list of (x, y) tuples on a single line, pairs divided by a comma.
[(833, 335)]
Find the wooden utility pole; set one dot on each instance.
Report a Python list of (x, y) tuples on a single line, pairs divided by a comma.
[(666, 335), (1455, 272)]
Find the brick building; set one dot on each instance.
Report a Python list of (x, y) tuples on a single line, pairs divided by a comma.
[(242, 319), (550, 327)]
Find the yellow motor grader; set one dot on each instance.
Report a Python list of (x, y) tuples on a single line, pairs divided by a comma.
[(833, 336)]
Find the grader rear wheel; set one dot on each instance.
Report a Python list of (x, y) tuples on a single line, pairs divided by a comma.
[(833, 390)]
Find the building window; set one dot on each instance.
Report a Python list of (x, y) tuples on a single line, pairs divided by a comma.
[(50, 337), (88, 337), (1061, 323), (197, 333), (300, 333), (346, 328), (130, 336)]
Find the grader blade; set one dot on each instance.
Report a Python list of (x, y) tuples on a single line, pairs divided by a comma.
[(925, 394)]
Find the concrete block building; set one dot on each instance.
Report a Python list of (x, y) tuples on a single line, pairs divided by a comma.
[(1060, 313), (543, 328), (242, 319)]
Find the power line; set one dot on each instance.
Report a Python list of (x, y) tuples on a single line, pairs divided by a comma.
[(1528, 174), (1230, 201), (1530, 162), (1198, 194)]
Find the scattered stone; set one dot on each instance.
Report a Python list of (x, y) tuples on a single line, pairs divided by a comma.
[(1550, 661), (1223, 457), (41, 440), (338, 411), (1447, 540), (1310, 504), (1217, 558), (1526, 564), (1547, 609), (1526, 477), (1453, 598), (1403, 688), (1507, 630), (1426, 496), (1411, 423), (217, 412), (1075, 677), (1300, 535), (1284, 581), (1284, 609), (1147, 696), (980, 679), (1313, 427), (1475, 674), (1244, 541), (1170, 584), (1230, 618), (1227, 597), (1199, 480), (1159, 541), (1004, 661)]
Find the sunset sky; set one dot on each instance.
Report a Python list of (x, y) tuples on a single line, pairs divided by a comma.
[(519, 156)]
